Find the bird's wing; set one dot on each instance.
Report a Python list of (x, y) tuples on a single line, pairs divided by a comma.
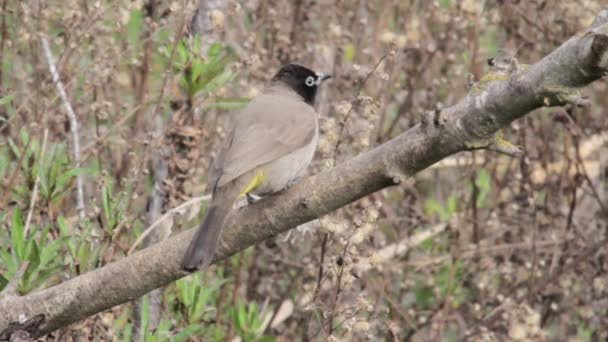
[(269, 127)]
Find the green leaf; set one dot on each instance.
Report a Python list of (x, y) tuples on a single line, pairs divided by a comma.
[(219, 80), (182, 53), (424, 296), (9, 261), (61, 180), (196, 70), (186, 333), (3, 281), (7, 99), (452, 206), (484, 183), (65, 233), (24, 136), (106, 203), (427, 244), (14, 149), (449, 277), (214, 50), (42, 277), (349, 52), (127, 333), (134, 27), (17, 238), (33, 257), (145, 306), (49, 251)]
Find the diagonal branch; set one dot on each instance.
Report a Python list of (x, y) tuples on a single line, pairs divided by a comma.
[(468, 125)]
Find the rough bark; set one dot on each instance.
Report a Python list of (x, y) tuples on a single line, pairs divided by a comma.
[(470, 124)]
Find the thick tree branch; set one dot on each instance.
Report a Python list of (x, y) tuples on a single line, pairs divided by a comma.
[(470, 124)]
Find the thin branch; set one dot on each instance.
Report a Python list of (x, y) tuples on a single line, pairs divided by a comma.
[(354, 103), (73, 124), (169, 213), (35, 190)]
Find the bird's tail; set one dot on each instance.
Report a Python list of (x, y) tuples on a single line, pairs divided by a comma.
[(201, 250)]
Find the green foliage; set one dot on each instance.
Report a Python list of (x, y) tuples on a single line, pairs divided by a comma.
[(349, 52), (444, 3), (432, 206), (196, 298), (134, 27), (113, 205), (163, 331), (247, 319), (202, 73), (483, 182), (83, 254), (447, 283), (52, 168), (41, 253), (6, 99)]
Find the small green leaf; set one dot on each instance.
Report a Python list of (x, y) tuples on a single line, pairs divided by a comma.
[(42, 277), (65, 233), (17, 238), (49, 251), (484, 183), (219, 80), (33, 257), (186, 333), (349, 52), (214, 50), (3, 281), (424, 296), (14, 149), (9, 261), (145, 305), (7, 99), (61, 180)]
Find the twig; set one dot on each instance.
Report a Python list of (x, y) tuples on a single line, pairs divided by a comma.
[(3, 34), (322, 260), (176, 41), (73, 125), (169, 212), (343, 122), (35, 190)]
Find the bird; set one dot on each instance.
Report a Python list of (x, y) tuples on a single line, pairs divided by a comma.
[(272, 141)]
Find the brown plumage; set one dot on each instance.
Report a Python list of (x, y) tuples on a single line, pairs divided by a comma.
[(272, 142)]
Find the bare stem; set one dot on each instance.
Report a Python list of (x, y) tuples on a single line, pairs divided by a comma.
[(73, 124)]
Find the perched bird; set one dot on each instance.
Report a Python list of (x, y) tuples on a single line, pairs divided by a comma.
[(272, 142)]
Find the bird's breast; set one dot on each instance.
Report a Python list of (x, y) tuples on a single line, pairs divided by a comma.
[(280, 172)]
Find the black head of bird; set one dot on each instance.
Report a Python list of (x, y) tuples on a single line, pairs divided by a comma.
[(302, 80)]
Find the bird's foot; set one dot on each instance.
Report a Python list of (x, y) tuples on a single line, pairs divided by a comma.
[(251, 198)]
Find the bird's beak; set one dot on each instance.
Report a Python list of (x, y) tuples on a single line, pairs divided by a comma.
[(322, 77)]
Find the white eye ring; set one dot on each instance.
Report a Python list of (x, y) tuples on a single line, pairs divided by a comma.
[(310, 81)]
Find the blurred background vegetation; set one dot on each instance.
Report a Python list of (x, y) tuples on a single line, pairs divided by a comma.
[(480, 246)]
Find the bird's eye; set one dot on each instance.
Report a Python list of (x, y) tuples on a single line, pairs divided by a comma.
[(310, 81)]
